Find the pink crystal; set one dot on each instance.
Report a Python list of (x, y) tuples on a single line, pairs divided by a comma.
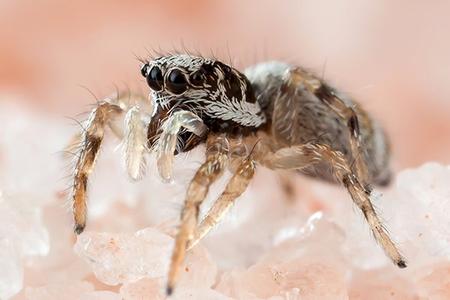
[(297, 266), (143, 289), (119, 258), (69, 291), (314, 246)]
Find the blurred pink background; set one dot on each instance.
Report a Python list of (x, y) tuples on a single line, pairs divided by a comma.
[(392, 56)]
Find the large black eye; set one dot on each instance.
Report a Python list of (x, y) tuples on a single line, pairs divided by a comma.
[(176, 82), (155, 78)]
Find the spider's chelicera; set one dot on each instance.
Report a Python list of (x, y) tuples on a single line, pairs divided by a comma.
[(276, 115)]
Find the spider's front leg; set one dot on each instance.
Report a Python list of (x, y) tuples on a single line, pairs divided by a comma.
[(209, 171), (298, 157), (90, 140)]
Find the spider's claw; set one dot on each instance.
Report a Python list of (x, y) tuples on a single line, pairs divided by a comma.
[(169, 290), (79, 228), (79, 217), (401, 263)]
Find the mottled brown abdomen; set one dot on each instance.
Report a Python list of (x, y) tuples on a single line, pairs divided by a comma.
[(298, 116)]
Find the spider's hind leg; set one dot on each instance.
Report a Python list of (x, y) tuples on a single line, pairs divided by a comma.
[(302, 156), (352, 116)]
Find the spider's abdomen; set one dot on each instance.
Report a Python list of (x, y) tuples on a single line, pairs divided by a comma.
[(296, 116)]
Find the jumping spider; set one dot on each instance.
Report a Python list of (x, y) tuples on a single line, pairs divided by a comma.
[(276, 115)]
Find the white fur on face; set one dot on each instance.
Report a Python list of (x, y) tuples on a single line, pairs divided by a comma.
[(211, 101)]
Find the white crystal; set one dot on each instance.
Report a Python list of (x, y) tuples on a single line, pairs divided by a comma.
[(11, 274), (67, 290), (314, 246), (418, 213), (22, 235), (120, 258), (299, 264), (143, 289)]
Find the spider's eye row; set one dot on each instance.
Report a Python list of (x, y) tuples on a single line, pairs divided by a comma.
[(176, 82), (144, 69), (197, 78), (155, 78)]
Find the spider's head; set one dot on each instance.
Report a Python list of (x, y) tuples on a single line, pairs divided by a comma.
[(209, 88)]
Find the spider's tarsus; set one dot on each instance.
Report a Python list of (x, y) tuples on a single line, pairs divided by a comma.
[(401, 264), (169, 290), (79, 228)]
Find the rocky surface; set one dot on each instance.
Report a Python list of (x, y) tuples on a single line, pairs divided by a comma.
[(313, 245)]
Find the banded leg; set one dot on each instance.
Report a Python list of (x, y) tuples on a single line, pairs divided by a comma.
[(328, 96), (235, 187), (132, 137), (167, 142), (298, 157), (209, 171), (91, 140)]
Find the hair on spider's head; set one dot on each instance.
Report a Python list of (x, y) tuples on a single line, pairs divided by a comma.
[(207, 87)]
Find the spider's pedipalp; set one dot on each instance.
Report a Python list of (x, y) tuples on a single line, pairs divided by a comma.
[(208, 173), (135, 143), (168, 140)]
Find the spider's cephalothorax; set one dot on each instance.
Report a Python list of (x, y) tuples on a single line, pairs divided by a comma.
[(276, 115), (220, 95)]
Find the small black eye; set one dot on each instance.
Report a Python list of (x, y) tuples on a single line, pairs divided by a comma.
[(144, 69), (197, 78), (155, 79), (226, 69), (176, 82)]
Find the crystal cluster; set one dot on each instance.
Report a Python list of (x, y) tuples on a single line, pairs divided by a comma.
[(313, 245)]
